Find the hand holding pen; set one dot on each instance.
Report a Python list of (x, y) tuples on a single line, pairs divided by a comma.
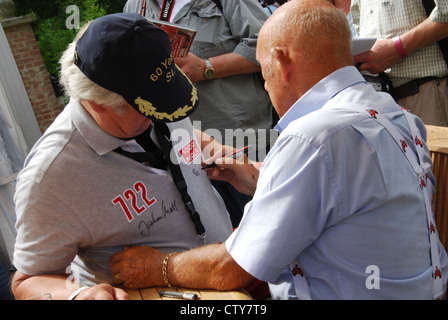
[(233, 155), (241, 175)]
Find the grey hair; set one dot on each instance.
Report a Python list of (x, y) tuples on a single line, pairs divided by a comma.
[(76, 85)]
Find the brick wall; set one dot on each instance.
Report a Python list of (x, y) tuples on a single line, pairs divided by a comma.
[(33, 72)]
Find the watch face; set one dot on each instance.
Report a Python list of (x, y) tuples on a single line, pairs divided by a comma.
[(209, 73)]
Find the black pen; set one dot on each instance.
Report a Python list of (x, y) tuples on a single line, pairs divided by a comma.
[(179, 295), (233, 155)]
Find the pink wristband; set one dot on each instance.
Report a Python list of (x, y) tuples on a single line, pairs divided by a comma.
[(399, 47)]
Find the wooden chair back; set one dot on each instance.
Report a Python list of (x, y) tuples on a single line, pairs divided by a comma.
[(437, 141)]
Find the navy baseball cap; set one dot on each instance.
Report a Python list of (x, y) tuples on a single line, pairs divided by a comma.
[(126, 54)]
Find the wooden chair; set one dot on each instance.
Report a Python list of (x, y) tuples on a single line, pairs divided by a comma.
[(437, 141)]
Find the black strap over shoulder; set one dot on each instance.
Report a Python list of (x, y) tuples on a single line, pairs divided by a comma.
[(163, 136), (218, 4), (152, 156), (443, 43)]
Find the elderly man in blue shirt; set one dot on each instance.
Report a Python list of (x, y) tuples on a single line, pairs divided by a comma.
[(339, 210)]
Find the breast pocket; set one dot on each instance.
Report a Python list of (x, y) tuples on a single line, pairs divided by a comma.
[(209, 23)]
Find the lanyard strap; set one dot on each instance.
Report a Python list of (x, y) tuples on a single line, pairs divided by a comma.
[(167, 9), (421, 169), (163, 136), (143, 8), (153, 156)]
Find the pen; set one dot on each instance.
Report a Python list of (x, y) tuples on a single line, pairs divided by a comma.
[(233, 155), (179, 295)]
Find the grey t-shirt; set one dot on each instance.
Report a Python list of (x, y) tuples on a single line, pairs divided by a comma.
[(78, 200)]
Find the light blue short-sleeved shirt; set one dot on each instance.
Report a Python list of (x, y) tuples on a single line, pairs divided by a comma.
[(337, 193)]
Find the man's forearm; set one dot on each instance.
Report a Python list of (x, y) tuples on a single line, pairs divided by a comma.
[(424, 34), (231, 64), (207, 267), (61, 288), (25, 287)]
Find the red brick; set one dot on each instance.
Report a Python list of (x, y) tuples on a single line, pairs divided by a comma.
[(34, 74)]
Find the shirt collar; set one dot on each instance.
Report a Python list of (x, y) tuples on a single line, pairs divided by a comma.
[(321, 93), (97, 138)]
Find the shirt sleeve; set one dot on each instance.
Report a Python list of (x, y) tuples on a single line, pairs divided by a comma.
[(245, 19), (132, 6), (292, 204), (440, 12), (48, 233)]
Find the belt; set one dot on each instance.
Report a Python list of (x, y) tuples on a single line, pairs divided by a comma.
[(410, 88)]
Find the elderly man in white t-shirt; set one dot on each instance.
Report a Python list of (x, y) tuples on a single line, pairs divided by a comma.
[(120, 166)]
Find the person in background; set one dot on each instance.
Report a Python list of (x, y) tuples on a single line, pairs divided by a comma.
[(111, 170), (408, 52), (222, 65), (271, 5), (338, 211)]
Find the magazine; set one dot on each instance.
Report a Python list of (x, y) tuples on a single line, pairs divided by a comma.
[(361, 45), (181, 37)]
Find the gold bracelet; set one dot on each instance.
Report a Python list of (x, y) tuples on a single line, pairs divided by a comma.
[(165, 268)]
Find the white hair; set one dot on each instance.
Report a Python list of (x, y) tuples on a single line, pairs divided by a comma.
[(76, 85)]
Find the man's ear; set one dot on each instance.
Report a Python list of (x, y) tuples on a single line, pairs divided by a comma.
[(282, 57)]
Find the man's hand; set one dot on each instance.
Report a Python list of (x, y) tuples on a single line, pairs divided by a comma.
[(102, 292), (192, 66), (382, 56), (242, 174), (206, 267), (138, 267)]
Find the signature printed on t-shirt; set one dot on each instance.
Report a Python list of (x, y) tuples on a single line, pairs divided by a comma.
[(144, 226)]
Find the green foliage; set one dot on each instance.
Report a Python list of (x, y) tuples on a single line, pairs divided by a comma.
[(52, 41), (50, 28)]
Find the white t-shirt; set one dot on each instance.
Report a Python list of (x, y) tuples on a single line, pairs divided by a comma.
[(77, 197)]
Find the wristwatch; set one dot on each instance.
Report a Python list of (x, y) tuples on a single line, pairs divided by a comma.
[(209, 71)]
